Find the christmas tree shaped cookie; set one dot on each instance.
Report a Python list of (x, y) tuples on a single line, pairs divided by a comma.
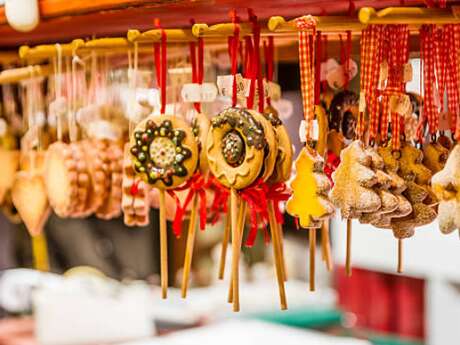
[(309, 201), (354, 180), (446, 185)]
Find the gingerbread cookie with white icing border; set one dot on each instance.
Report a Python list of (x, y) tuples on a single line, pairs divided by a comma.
[(164, 151), (236, 147)]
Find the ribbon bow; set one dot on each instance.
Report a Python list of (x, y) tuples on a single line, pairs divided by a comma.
[(255, 196), (220, 201), (276, 193), (305, 22), (196, 186)]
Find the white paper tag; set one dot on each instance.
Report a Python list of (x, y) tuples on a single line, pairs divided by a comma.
[(303, 131), (407, 72), (225, 85), (383, 75), (400, 104), (191, 92), (315, 130), (362, 102), (208, 92), (273, 90)]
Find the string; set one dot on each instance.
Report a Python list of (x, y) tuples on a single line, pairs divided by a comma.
[(58, 85), (197, 62)]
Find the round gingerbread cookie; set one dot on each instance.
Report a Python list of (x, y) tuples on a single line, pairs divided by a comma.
[(271, 149), (283, 163), (200, 128), (61, 175), (164, 151), (236, 148)]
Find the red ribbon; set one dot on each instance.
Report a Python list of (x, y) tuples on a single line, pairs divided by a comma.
[(277, 193), (161, 62), (196, 187), (255, 197), (220, 202), (269, 53), (197, 66), (318, 67), (233, 45)]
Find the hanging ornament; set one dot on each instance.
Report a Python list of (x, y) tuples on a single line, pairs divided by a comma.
[(164, 153)]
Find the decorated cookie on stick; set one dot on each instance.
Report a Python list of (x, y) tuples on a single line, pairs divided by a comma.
[(164, 153), (309, 202)]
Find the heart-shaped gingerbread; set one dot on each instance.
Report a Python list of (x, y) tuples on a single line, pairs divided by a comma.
[(9, 161), (30, 199)]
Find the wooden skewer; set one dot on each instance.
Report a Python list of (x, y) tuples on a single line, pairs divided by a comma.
[(348, 253), (223, 253), (326, 244), (281, 244), (235, 249), (312, 240), (163, 245), (400, 255), (241, 222), (277, 254), (40, 252), (189, 247)]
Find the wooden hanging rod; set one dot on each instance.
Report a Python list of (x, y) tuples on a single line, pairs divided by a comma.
[(15, 75), (172, 35), (409, 15), (323, 23)]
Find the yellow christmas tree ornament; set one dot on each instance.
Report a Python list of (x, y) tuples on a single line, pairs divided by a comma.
[(309, 201)]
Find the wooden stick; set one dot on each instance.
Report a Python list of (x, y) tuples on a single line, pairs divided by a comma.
[(163, 245), (326, 244), (189, 247), (348, 254), (277, 255), (40, 252), (281, 244), (400, 255), (312, 241), (223, 253), (241, 223), (235, 249)]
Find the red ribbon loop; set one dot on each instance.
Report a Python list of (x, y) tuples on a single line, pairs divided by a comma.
[(161, 64), (255, 197), (220, 202), (196, 187), (277, 193)]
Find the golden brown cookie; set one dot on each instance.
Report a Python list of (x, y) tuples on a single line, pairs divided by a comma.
[(61, 179), (164, 151), (354, 180), (200, 128), (283, 163), (309, 201), (9, 161), (236, 147), (30, 199), (446, 185), (435, 156), (135, 201)]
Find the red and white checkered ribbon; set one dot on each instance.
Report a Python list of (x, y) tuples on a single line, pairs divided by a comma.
[(452, 83), (307, 32), (428, 55)]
